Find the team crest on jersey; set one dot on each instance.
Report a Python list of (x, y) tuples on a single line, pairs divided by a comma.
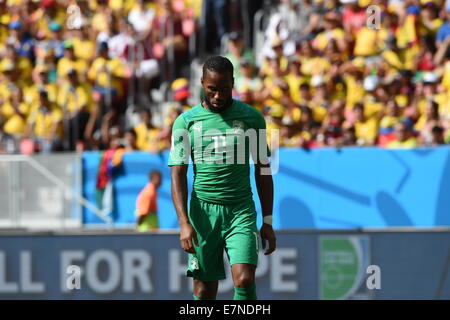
[(194, 263), (238, 125)]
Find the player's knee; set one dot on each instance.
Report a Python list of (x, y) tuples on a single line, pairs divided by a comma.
[(203, 291), (244, 281)]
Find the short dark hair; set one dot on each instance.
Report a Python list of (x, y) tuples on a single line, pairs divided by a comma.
[(304, 86), (358, 106), (132, 132), (218, 64), (153, 173), (437, 130), (145, 110)]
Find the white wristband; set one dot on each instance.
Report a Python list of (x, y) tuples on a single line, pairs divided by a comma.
[(267, 220)]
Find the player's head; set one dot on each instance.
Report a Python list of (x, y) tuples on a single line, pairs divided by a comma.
[(155, 178), (217, 82)]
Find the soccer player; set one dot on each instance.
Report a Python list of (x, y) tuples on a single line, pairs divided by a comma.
[(222, 213)]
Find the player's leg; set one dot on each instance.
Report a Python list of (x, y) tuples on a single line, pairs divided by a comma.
[(205, 290), (244, 281), (206, 264), (241, 244)]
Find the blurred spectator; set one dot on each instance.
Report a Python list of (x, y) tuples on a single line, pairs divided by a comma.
[(148, 135), (130, 141), (353, 16), (14, 112), (238, 52), (444, 30), (428, 121), (7, 142), (83, 44), (295, 78), (320, 101), (310, 129), (349, 137), (274, 120), (332, 126), (437, 136), (366, 127), (45, 125), (147, 204), (141, 17), (332, 32), (169, 41), (20, 40), (69, 62), (403, 139), (215, 15), (110, 163), (248, 82), (389, 120), (75, 99), (106, 74)]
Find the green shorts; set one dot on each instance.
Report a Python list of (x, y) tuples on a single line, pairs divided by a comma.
[(222, 227)]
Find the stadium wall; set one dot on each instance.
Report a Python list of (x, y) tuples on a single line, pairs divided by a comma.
[(346, 188), (306, 265)]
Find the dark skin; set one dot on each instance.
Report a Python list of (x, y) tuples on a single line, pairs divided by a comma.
[(218, 97)]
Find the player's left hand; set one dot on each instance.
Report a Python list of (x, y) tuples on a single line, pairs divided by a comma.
[(268, 235)]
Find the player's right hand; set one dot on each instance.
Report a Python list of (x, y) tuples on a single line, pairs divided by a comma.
[(188, 237)]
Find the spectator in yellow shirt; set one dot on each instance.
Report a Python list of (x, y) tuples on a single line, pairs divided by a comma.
[(320, 101), (44, 125), (273, 83), (312, 62), (391, 116), (403, 139), (295, 78), (366, 128), (75, 99), (14, 112), (267, 65), (332, 32), (40, 82), (20, 66), (83, 45), (70, 62), (148, 136), (107, 74)]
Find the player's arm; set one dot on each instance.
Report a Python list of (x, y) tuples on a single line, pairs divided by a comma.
[(264, 185), (179, 162), (179, 198)]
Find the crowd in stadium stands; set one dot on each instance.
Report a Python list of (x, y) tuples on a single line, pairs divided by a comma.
[(328, 72)]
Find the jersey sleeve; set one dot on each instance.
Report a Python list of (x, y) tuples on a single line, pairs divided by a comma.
[(180, 150)]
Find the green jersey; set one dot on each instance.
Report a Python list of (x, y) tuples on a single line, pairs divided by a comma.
[(220, 145)]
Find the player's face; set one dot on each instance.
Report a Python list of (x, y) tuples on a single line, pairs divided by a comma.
[(218, 89)]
